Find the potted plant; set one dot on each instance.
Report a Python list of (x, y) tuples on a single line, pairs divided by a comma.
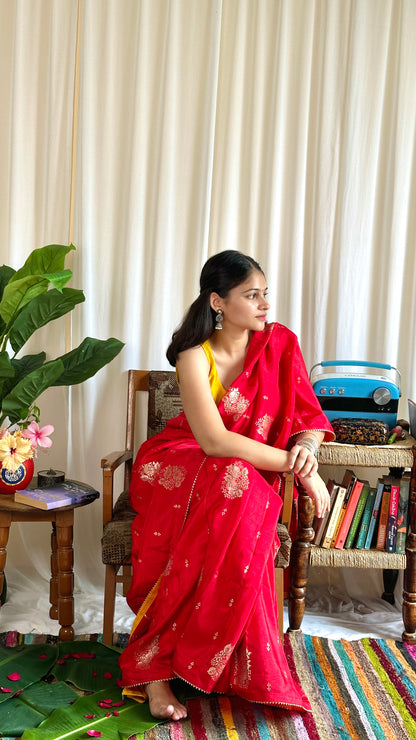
[(30, 298)]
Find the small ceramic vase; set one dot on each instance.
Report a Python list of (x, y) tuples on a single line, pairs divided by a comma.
[(11, 481)]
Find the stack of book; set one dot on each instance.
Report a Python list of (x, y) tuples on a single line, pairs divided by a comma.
[(364, 516)]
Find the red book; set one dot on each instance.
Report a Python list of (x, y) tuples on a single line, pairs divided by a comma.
[(392, 520), (384, 518), (349, 513)]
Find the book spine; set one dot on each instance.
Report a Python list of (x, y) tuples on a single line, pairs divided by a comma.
[(348, 483), (365, 521), (384, 518), (322, 523), (392, 519), (359, 511), (332, 521), (349, 513), (374, 515), (402, 514)]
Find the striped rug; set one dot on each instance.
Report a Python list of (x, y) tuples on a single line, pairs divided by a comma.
[(360, 689)]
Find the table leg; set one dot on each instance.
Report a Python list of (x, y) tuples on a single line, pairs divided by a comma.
[(65, 562), (53, 584), (5, 522)]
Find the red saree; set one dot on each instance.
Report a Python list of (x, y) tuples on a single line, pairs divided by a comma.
[(206, 527)]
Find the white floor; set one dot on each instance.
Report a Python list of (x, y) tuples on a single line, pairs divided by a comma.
[(339, 604)]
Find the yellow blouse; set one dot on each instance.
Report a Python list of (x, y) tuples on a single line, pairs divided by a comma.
[(217, 388)]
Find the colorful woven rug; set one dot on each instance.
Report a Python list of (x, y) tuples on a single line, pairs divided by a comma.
[(358, 689)]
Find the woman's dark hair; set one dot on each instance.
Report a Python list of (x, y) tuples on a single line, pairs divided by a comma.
[(220, 274)]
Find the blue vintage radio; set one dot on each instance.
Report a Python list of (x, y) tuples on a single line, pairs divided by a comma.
[(357, 390)]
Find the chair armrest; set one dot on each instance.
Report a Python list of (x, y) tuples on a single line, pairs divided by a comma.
[(114, 459), (109, 465)]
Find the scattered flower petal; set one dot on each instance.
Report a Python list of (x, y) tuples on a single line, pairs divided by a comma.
[(13, 677), (119, 703), (90, 716), (116, 714), (5, 691), (93, 733), (43, 656), (108, 675), (61, 661), (94, 673)]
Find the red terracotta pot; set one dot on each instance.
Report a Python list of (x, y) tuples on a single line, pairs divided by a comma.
[(12, 481)]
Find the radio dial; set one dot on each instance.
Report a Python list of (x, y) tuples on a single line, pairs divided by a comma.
[(381, 396)]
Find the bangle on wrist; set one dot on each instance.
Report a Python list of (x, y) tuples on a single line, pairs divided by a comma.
[(309, 445)]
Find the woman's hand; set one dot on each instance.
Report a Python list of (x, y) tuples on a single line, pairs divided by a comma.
[(317, 490), (302, 462)]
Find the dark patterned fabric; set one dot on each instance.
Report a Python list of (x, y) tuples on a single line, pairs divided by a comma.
[(164, 403)]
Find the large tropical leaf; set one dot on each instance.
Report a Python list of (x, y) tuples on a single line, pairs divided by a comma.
[(34, 705), (40, 311), (89, 357), (6, 367), (106, 712), (18, 293), (21, 667), (6, 273), (45, 260), (89, 666), (25, 393)]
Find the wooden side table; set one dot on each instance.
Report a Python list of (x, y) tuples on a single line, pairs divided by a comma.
[(61, 590)]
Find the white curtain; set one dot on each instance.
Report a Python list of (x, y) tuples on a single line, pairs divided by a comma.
[(154, 133)]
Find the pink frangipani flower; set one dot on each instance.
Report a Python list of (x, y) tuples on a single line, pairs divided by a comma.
[(38, 436)]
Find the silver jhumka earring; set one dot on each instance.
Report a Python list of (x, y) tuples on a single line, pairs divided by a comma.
[(219, 318)]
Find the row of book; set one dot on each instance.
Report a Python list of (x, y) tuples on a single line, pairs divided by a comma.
[(364, 516)]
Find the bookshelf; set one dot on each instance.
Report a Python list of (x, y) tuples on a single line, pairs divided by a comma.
[(395, 458)]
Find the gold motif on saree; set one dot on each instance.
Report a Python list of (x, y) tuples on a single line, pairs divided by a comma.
[(263, 425), (149, 471), (235, 403), (235, 480), (147, 654), (219, 661), (172, 476)]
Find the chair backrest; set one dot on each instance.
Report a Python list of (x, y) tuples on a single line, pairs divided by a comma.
[(164, 402)]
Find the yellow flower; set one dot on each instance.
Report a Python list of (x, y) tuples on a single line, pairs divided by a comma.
[(14, 450)]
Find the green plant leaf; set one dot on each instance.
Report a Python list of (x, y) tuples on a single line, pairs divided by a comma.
[(30, 663), (45, 260), (123, 720), (6, 273), (6, 367), (40, 311), (21, 367), (23, 395), (89, 357), (17, 294), (33, 705), (89, 666)]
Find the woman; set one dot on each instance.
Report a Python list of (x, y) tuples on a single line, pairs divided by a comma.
[(206, 492)]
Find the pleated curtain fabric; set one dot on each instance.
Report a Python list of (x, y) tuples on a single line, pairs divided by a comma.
[(154, 133)]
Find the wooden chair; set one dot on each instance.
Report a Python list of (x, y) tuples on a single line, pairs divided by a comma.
[(163, 403)]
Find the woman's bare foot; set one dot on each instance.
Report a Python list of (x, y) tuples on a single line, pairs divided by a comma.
[(163, 703)]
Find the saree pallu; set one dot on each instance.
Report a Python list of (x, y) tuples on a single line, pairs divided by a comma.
[(205, 533)]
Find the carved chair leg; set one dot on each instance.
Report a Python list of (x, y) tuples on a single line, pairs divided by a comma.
[(299, 561)]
